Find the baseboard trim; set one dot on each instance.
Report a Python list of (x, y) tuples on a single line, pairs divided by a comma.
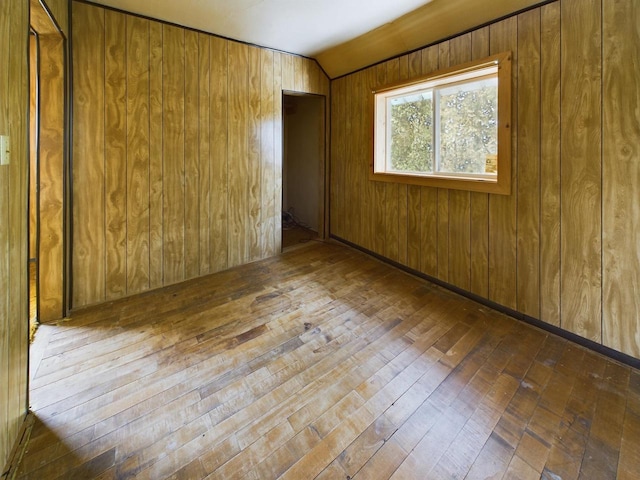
[(572, 337)]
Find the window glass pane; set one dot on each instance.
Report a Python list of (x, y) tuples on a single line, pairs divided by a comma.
[(410, 133), (468, 115)]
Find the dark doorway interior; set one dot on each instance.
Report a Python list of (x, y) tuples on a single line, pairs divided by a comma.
[(303, 186)]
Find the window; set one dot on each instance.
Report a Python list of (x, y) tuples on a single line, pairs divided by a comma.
[(450, 129)]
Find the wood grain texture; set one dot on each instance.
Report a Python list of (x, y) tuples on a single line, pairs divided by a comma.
[(528, 213), (459, 263), (204, 153), (14, 100), (254, 179), (203, 150), (156, 189), (192, 197), (137, 190), (173, 135), (115, 138), (621, 177), (278, 87), (60, 11), (392, 190), (89, 250), (17, 208), (443, 196), (33, 145), (413, 191), (51, 175), (268, 213), (40, 18), (403, 193), (581, 218), (429, 195), (219, 132), (537, 250), (338, 159), (380, 375), (347, 193), (502, 208), (550, 190), (238, 153), (479, 230)]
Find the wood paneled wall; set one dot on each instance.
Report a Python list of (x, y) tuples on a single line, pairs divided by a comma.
[(14, 101), (177, 148), (51, 177), (60, 11), (564, 246)]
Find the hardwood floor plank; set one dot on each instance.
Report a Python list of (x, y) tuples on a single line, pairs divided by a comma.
[(322, 362)]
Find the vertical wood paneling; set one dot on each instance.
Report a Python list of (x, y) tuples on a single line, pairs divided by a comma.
[(14, 99), (361, 158), (288, 73), (413, 191), (502, 208), (403, 192), (204, 158), (192, 196), (337, 160), (115, 136), (18, 101), (173, 134), (137, 168), (550, 164), (429, 195), (194, 144), (33, 136), (156, 187), (581, 163), (528, 213), (380, 188), (479, 229), (277, 114), (238, 152), (60, 10), (51, 162), (269, 215), (7, 335), (219, 131), (460, 201), (392, 195), (89, 252), (621, 172), (443, 196), (345, 171), (255, 247), (539, 249), (368, 206)]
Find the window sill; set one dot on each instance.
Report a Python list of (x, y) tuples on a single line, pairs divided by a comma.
[(500, 187)]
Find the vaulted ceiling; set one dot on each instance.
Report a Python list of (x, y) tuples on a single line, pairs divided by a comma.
[(343, 35)]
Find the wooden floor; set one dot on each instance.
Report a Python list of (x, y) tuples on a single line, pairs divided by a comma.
[(322, 363), (296, 236)]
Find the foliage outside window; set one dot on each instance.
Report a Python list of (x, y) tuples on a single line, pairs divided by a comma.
[(450, 129)]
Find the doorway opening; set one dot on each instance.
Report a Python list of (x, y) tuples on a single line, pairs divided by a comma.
[(47, 151), (303, 169)]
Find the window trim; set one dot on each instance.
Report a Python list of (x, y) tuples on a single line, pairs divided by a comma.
[(498, 185)]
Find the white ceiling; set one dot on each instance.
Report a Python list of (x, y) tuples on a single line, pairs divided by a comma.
[(305, 27), (342, 35)]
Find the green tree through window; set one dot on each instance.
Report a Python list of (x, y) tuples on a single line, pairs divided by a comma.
[(449, 129)]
